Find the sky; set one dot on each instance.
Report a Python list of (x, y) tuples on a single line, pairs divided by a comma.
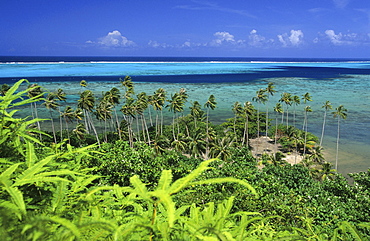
[(188, 28)]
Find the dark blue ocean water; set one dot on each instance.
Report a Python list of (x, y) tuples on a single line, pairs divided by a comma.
[(175, 69)]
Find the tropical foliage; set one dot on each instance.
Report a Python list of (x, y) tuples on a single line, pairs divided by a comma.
[(133, 178)]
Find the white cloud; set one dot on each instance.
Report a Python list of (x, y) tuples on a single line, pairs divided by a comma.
[(257, 40), (113, 39), (294, 39), (342, 39), (155, 44), (334, 38), (347, 39), (222, 37)]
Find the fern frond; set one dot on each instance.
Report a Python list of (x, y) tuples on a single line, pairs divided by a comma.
[(167, 202), (165, 180), (345, 225), (139, 186), (16, 196), (181, 183), (31, 157), (226, 179), (71, 227)]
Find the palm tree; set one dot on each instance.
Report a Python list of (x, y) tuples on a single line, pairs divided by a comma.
[(104, 112), (278, 110), (222, 148), (183, 97), (34, 91), (326, 172), (87, 103), (316, 155), (83, 83), (306, 110), (196, 112), (287, 99), (270, 90), (327, 106), (260, 98), (128, 110), (142, 105), (175, 105), (247, 110), (159, 99), (4, 88), (296, 101), (128, 86), (51, 104), (306, 97), (339, 113), (196, 144), (80, 131), (210, 104), (61, 96), (238, 111), (68, 115), (180, 143), (113, 96)]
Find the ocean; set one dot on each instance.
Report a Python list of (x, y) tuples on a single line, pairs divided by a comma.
[(341, 81)]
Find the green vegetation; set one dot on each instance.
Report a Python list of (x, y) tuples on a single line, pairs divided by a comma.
[(134, 178)]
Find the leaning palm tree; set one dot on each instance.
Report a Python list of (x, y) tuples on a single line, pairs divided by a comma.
[(68, 116), (176, 104), (113, 96), (238, 111), (210, 104), (260, 98), (87, 103), (326, 172), (287, 99), (80, 131), (103, 112), (247, 110), (306, 110), (327, 106), (3, 89), (35, 92), (295, 101), (270, 90), (61, 96), (128, 110), (159, 99), (142, 105), (128, 85), (278, 110), (196, 112), (339, 113), (222, 148), (51, 104), (306, 97)]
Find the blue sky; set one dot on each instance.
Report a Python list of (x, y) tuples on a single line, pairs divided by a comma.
[(210, 28)]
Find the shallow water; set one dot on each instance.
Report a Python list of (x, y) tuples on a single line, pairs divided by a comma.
[(342, 83)]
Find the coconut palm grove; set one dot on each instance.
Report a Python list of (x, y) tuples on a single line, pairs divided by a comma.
[(122, 165)]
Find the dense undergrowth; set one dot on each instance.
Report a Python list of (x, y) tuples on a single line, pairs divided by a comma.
[(120, 188)]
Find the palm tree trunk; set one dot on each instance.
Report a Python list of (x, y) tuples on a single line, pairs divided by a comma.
[(305, 135), (323, 129), (52, 126), (336, 156), (61, 125), (93, 128), (118, 124)]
